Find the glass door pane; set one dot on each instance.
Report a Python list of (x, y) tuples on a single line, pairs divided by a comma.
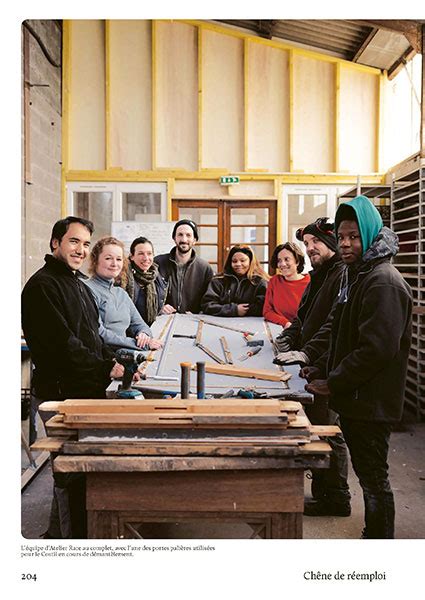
[(97, 207), (141, 206)]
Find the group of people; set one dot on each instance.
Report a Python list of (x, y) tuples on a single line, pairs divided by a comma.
[(346, 323)]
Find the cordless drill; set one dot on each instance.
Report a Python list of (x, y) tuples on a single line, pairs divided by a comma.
[(130, 360)]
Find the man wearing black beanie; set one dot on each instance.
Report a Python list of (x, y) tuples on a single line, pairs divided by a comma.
[(329, 486), (187, 274)]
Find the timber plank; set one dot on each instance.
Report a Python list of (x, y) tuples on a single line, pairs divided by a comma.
[(50, 444), (87, 463), (212, 490), (236, 371), (324, 430), (190, 449)]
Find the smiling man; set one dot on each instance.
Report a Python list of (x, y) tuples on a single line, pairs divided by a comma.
[(364, 369), (60, 324), (187, 274), (329, 487)]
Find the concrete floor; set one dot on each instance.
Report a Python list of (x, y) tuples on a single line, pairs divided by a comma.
[(407, 475)]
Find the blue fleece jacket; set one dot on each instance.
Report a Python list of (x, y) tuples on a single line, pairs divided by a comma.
[(118, 317)]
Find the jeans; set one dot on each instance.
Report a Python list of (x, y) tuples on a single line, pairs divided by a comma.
[(330, 484), (368, 444)]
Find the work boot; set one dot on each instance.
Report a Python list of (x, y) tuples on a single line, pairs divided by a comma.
[(325, 508)]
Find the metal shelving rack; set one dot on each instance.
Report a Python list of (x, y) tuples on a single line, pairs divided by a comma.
[(408, 221)]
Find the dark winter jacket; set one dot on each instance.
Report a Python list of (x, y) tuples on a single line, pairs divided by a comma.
[(315, 306), (185, 295), (370, 336), (226, 291), (60, 324)]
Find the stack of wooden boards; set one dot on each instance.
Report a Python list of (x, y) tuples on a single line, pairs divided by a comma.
[(223, 426)]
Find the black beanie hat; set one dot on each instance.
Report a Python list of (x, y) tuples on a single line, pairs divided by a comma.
[(186, 222), (325, 234)]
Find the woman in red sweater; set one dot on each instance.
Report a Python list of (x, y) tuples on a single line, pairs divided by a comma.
[(285, 288)]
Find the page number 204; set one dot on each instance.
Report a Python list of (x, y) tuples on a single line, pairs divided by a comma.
[(29, 577)]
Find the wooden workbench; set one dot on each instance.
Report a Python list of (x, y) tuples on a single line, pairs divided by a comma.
[(125, 492), (172, 460)]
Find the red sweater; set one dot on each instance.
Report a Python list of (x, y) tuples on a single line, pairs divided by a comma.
[(283, 298)]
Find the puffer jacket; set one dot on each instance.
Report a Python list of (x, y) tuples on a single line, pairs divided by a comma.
[(60, 324), (226, 291), (366, 363)]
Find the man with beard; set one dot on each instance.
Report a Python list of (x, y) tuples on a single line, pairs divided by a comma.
[(188, 275), (297, 345), (364, 369)]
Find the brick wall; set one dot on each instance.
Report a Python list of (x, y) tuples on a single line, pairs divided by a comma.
[(41, 142)]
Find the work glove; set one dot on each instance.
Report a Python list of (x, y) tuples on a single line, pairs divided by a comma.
[(293, 357), (283, 343)]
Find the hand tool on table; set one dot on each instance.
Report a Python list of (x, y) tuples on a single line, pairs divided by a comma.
[(243, 331), (226, 350), (255, 342), (250, 353), (183, 335), (130, 360), (198, 344), (210, 354)]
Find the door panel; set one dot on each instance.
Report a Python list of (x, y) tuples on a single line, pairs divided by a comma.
[(224, 223)]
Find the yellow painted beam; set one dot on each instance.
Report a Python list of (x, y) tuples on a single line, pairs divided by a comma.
[(66, 101), (295, 178), (170, 194), (291, 110), (337, 115), (154, 67), (245, 101), (278, 192), (379, 128), (200, 96), (280, 45), (107, 95)]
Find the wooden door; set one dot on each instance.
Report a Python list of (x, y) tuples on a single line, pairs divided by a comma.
[(225, 223)]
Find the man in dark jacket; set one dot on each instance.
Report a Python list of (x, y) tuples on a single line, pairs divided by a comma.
[(187, 275), (329, 486), (60, 324), (365, 366)]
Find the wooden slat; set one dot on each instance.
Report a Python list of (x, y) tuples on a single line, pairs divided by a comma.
[(324, 430), (218, 406), (166, 420), (236, 371), (206, 448), (86, 463), (50, 444)]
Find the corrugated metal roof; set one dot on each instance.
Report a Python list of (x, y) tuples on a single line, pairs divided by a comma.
[(383, 44)]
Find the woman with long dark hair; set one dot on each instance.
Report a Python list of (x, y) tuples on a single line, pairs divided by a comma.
[(240, 290), (145, 284)]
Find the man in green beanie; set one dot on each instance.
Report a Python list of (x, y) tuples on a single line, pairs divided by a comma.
[(364, 368)]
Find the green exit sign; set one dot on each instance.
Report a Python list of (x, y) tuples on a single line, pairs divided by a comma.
[(229, 180)]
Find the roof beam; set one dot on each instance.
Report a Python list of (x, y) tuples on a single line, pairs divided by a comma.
[(365, 44), (265, 28), (411, 30)]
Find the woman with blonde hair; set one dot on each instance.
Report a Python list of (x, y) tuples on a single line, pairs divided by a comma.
[(240, 290), (120, 324), (287, 286)]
